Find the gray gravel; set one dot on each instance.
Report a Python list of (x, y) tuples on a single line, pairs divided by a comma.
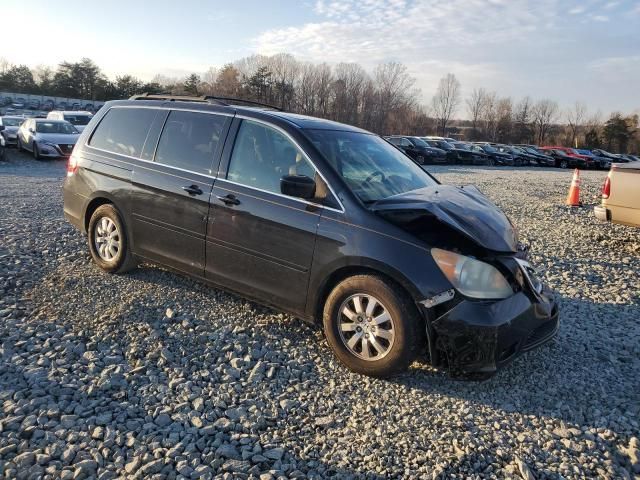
[(153, 375)]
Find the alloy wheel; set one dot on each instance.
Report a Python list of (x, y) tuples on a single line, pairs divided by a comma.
[(366, 327), (106, 238)]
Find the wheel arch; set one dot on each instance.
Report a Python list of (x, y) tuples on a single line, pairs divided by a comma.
[(97, 200), (343, 272)]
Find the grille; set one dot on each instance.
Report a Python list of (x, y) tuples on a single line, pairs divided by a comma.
[(541, 333), (65, 148)]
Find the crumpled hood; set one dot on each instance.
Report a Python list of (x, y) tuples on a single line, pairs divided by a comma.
[(464, 209)]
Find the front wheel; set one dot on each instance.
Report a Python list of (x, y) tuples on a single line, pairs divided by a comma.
[(19, 144), (564, 164), (108, 241), (420, 159), (372, 326), (36, 152)]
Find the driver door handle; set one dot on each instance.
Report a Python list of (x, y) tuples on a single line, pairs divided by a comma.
[(229, 199), (192, 190)]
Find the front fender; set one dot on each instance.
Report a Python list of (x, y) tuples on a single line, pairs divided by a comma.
[(342, 245)]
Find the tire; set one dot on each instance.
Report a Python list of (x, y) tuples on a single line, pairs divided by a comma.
[(564, 164), (107, 228), (420, 159), (403, 332), (36, 153), (19, 145), (490, 162)]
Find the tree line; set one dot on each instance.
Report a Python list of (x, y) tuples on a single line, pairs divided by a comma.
[(384, 101)]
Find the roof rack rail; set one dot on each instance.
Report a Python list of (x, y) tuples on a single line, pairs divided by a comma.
[(224, 101), (231, 100)]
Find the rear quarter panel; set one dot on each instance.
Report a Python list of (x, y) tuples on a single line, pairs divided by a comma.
[(624, 199)]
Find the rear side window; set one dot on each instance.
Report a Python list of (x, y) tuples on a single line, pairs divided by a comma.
[(189, 140), (123, 130)]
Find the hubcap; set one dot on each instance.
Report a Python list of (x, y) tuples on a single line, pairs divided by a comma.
[(106, 238), (366, 328)]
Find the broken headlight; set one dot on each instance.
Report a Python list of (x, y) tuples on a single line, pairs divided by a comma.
[(472, 277)]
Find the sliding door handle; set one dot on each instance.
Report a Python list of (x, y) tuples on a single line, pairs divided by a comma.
[(228, 199)]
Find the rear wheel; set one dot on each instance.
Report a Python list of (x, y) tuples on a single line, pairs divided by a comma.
[(108, 241), (564, 164), (372, 326)]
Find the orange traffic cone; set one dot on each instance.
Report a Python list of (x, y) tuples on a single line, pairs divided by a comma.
[(573, 199)]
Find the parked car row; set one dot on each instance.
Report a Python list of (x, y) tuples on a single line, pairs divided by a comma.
[(51, 137), (48, 105), (434, 150)]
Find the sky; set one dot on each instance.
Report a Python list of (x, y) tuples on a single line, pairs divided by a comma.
[(566, 50)]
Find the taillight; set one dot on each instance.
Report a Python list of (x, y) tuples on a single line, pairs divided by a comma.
[(606, 188), (72, 166)]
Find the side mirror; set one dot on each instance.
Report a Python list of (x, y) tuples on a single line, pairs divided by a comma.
[(32, 130), (299, 186)]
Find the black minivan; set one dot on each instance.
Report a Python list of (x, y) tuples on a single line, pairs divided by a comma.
[(319, 219)]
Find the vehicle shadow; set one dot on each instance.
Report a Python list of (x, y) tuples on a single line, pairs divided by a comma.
[(569, 382)]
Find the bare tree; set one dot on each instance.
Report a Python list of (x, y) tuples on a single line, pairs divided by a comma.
[(489, 115), (575, 118), (284, 68), (207, 86), (504, 113), (349, 80), (446, 101), (522, 118), (475, 104), (393, 90), (545, 113), (4, 65)]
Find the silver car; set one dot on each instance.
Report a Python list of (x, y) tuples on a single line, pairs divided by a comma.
[(10, 132), (77, 118), (47, 138)]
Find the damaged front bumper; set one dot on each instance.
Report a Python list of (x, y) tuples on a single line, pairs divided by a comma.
[(479, 337)]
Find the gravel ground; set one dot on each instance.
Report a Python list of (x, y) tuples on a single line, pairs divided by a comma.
[(153, 375)]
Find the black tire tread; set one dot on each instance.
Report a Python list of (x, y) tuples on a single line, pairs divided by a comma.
[(411, 323), (124, 264)]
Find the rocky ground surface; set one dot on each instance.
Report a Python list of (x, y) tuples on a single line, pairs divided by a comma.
[(153, 375)]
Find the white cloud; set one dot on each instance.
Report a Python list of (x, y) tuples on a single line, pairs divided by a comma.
[(516, 47)]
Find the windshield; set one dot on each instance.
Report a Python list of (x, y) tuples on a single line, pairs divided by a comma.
[(371, 168), (419, 142), (531, 150), (488, 148), (12, 122), (77, 119), (55, 127), (561, 153)]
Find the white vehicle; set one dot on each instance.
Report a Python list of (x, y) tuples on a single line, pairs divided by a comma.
[(78, 119)]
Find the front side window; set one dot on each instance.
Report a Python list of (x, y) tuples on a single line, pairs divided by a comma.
[(189, 140), (371, 167), (262, 156), (123, 130)]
